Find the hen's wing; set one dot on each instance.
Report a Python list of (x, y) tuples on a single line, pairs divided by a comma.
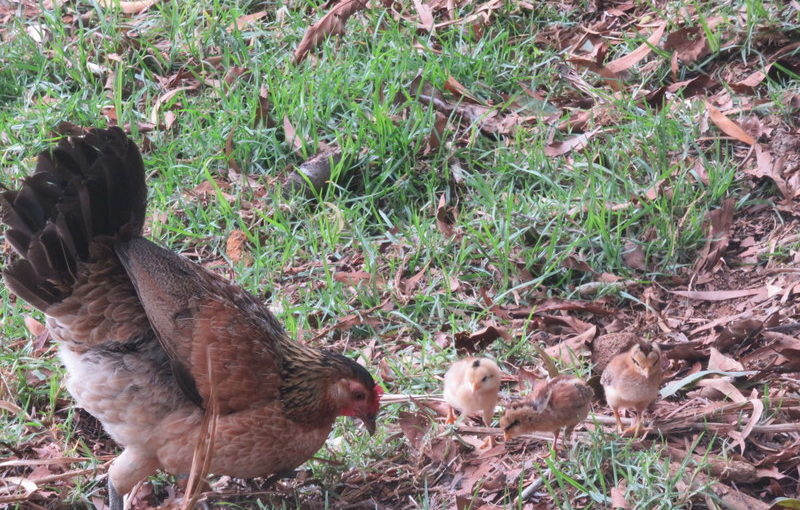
[(214, 333)]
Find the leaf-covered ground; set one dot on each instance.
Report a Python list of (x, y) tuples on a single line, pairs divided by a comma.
[(408, 182)]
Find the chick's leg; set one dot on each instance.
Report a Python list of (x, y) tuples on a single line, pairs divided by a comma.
[(616, 416), (451, 415), (634, 429), (568, 435)]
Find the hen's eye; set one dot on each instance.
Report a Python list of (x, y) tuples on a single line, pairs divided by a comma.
[(359, 396)]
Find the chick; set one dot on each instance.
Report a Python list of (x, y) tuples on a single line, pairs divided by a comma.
[(632, 381), (471, 385), (561, 402)]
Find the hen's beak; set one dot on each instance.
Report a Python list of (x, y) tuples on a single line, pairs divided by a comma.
[(369, 422)]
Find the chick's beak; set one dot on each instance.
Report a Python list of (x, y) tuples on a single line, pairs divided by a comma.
[(506, 435)]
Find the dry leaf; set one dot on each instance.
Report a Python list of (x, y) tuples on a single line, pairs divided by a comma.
[(457, 89), (166, 97), (290, 135), (262, 112), (35, 328), (467, 343), (572, 348), (351, 278), (688, 43), (633, 255), (331, 24), (634, 57), (243, 21), (728, 126), (133, 7), (720, 221), (718, 361), (425, 16), (235, 246), (445, 217), (229, 152), (718, 295), (576, 142), (414, 427)]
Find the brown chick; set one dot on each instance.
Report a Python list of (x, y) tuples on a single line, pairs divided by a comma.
[(152, 341), (561, 402), (632, 381), (472, 385)]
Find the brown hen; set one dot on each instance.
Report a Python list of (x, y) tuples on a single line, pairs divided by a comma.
[(148, 337)]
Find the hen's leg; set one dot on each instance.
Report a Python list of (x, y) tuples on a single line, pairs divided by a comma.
[(127, 469), (114, 497)]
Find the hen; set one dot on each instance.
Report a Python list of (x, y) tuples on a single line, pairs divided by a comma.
[(151, 340)]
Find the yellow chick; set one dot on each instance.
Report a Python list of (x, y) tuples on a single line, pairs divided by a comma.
[(632, 381), (561, 402), (472, 385)]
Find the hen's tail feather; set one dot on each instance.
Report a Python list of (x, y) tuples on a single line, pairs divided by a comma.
[(83, 189)]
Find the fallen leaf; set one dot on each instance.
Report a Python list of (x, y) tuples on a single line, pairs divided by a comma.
[(133, 7), (725, 387), (425, 16), (445, 217), (459, 90), (331, 24), (414, 427), (634, 57), (633, 255), (688, 43), (245, 20), (728, 126), (576, 142), (35, 328), (166, 97), (718, 361), (718, 295), (290, 135), (235, 246), (675, 386), (748, 84), (572, 348), (720, 221), (262, 112), (618, 497), (351, 278), (229, 152), (470, 343)]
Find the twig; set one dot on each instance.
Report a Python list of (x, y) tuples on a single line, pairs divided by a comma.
[(535, 485)]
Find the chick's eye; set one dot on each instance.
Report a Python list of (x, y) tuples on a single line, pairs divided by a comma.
[(485, 378)]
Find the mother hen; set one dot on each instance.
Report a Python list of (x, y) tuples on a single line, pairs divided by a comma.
[(152, 340)]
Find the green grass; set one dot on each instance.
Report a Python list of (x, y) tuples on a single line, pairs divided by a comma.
[(520, 212)]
